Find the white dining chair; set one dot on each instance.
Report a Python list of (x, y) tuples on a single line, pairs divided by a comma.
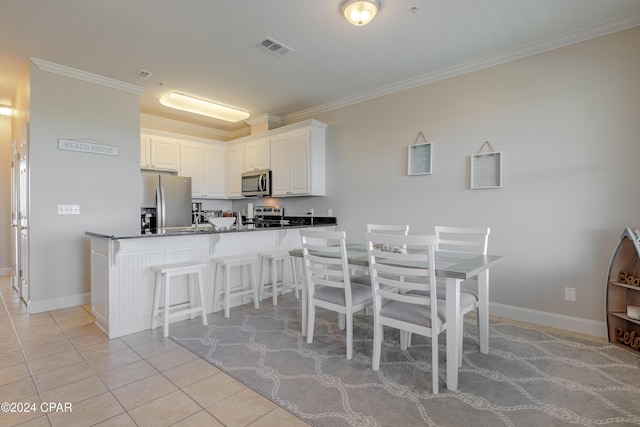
[(399, 303), (328, 282), (473, 240)]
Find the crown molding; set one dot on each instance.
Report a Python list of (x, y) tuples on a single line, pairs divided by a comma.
[(566, 39), (263, 118), (85, 76)]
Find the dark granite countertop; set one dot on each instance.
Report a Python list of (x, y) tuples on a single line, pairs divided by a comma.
[(202, 229)]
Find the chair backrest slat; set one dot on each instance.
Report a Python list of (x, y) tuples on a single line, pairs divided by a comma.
[(462, 239)]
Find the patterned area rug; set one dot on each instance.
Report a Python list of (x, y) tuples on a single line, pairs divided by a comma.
[(529, 377)]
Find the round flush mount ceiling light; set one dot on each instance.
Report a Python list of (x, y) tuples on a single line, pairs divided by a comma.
[(359, 12)]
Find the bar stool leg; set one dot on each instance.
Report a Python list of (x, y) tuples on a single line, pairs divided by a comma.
[(261, 277), (274, 278), (190, 295), (254, 285), (156, 301), (294, 276), (227, 289), (216, 287), (205, 321), (167, 290)]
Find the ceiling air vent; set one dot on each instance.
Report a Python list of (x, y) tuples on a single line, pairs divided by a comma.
[(272, 46), (143, 74)]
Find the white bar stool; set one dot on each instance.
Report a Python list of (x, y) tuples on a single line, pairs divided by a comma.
[(164, 273), (277, 259), (225, 264)]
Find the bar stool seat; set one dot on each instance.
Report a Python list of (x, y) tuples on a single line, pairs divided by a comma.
[(225, 264), (164, 273), (277, 259)]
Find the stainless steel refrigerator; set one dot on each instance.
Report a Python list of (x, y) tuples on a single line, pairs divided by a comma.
[(170, 195)]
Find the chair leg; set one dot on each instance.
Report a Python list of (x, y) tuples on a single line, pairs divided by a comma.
[(341, 321), (461, 335), (349, 321), (405, 336), (478, 322), (377, 346), (311, 319), (434, 361), (216, 287)]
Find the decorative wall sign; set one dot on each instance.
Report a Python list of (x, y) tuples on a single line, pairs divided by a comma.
[(420, 155), (486, 168), (87, 146)]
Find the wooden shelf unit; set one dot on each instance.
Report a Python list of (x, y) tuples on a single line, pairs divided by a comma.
[(626, 259)]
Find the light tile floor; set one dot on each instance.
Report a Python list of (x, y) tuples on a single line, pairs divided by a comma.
[(49, 360)]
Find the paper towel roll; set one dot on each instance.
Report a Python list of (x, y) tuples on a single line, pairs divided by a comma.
[(249, 210)]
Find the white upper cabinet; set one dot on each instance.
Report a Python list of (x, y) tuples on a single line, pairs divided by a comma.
[(257, 155), (205, 163), (235, 167), (159, 153), (298, 161)]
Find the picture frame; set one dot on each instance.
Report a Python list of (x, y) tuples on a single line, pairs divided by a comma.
[(486, 170), (420, 158)]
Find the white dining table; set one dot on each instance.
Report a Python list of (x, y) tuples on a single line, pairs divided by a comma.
[(455, 267)]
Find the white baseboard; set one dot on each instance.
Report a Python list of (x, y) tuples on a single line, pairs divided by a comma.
[(5, 271), (58, 303), (552, 320)]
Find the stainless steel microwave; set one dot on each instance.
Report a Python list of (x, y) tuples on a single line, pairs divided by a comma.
[(256, 183)]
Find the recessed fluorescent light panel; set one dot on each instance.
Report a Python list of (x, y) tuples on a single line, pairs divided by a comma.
[(205, 108), (5, 111)]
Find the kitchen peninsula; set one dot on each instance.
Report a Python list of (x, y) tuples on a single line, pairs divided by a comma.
[(122, 281)]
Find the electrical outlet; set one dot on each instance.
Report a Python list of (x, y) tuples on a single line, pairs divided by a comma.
[(570, 294), (68, 209)]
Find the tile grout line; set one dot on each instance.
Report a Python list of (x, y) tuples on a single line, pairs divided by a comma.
[(24, 356)]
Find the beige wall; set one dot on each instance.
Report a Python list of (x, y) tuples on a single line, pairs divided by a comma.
[(107, 188), (568, 124)]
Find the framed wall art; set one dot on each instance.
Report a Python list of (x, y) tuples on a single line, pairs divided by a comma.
[(486, 168), (420, 157)]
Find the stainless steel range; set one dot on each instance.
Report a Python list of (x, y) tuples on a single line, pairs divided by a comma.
[(269, 216)]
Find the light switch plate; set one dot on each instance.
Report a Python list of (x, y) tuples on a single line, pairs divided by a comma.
[(68, 209)]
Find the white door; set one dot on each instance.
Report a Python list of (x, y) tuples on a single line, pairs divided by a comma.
[(15, 227), (23, 215)]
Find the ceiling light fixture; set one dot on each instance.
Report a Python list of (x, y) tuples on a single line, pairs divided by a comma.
[(359, 12), (5, 110), (203, 107)]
